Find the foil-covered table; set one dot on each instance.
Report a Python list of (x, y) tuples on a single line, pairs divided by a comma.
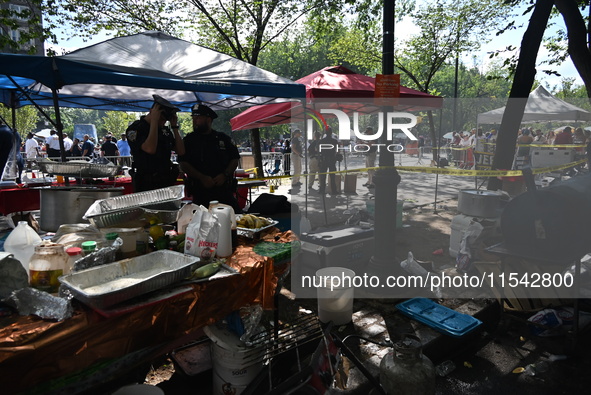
[(73, 355)]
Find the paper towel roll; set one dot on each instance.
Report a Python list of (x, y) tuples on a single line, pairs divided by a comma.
[(224, 217)]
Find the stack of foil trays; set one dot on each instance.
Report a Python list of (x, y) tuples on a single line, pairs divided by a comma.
[(137, 209)]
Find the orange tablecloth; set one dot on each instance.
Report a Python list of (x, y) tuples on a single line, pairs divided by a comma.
[(36, 351)]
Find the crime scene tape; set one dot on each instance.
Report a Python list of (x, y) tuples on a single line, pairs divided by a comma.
[(443, 171)]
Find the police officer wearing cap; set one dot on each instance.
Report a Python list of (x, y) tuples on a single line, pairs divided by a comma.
[(210, 161), (151, 144)]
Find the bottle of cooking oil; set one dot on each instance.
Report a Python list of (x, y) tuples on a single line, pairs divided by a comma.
[(47, 264)]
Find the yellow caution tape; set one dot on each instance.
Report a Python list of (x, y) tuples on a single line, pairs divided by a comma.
[(443, 171)]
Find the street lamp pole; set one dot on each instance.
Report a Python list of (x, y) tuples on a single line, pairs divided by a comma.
[(386, 179)]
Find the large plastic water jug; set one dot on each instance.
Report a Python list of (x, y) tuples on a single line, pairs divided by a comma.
[(21, 243), (234, 231)]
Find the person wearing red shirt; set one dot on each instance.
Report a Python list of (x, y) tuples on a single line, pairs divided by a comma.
[(564, 137)]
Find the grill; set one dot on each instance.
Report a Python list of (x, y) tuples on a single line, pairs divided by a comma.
[(82, 170), (300, 355)]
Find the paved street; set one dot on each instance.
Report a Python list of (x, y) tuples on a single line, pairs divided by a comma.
[(415, 189)]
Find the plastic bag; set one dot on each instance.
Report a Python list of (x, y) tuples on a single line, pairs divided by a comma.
[(251, 318), (185, 216), (202, 235), (465, 255)]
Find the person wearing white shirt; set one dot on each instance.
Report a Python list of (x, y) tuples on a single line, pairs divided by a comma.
[(31, 147), (465, 141), (472, 138), (52, 145), (67, 142)]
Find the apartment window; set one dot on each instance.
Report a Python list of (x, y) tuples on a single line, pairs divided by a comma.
[(19, 10), (15, 35)]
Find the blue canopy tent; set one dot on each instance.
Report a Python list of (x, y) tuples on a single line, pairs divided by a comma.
[(124, 72)]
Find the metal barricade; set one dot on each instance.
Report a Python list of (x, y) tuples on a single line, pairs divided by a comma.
[(273, 165)]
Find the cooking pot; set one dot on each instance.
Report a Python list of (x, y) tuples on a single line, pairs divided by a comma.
[(67, 205), (481, 203)]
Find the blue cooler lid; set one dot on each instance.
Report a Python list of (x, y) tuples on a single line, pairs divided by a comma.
[(440, 318)]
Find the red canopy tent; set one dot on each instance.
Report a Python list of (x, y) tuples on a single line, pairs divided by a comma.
[(331, 87)]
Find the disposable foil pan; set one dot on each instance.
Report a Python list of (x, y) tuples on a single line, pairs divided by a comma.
[(143, 199), (163, 213), (254, 233), (83, 170), (137, 209), (116, 282)]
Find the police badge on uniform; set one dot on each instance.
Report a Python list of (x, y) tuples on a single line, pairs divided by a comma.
[(131, 135), (222, 144)]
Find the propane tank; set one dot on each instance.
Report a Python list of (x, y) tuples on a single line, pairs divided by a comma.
[(405, 370)]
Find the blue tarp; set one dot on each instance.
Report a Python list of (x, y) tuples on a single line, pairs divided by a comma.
[(122, 74)]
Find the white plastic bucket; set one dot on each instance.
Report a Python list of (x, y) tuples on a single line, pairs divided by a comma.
[(335, 294), (130, 237), (234, 364)]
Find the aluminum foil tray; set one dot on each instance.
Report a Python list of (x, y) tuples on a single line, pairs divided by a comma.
[(83, 170), (254, 233), (164, 213), (116, 282), (143, 199), (137, 209)]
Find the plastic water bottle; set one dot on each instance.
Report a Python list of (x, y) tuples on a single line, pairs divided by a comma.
[(21, 243)]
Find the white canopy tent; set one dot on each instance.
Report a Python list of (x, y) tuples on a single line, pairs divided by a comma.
[(541, 106)]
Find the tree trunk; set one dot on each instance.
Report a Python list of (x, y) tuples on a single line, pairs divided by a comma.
[(577, 39), (522, 84), (256, 151)]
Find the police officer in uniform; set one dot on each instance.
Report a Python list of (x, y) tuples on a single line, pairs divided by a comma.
[(328, 149), (210, 161), (151, 144)]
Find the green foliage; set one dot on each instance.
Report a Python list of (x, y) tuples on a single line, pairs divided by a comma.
[(572, 93), (448, 29), (360, 47), (26, 119), (116, 122), (300, 53), (118, 17)]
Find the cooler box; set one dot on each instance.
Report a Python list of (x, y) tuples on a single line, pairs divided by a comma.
[(544, 157), (344, 246)]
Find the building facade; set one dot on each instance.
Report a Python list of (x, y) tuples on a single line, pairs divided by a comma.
[(21, 29)]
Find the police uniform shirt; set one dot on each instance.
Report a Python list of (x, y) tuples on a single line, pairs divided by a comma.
[(328, 149), (209, 153), (109, 148), (137, 133)]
